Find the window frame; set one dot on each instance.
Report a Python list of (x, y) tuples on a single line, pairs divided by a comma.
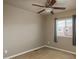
[(73, 30)]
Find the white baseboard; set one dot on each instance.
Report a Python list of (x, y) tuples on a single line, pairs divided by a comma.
[(60, 49), (39, 48), (24, 52)]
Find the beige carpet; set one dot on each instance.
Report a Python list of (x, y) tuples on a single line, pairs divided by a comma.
[(46, 53)]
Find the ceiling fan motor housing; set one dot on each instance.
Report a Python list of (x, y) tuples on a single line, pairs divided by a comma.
[(48, 10)]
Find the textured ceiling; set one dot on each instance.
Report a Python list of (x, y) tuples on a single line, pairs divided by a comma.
[(27, 4)]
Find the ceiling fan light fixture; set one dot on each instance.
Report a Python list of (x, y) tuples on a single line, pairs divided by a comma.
[(48, 10), (48, 7)]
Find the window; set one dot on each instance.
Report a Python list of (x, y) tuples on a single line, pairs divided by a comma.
[(64, 27)]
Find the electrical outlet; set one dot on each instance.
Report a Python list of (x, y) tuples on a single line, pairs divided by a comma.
[(6, 51)]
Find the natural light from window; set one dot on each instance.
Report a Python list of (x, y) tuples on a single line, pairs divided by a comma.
[(64, 27)]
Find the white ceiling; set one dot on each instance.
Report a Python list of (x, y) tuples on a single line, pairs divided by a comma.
[(27, 4)]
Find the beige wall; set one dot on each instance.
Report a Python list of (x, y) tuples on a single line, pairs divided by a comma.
[(63, 43), (25, 30), (22, 30)]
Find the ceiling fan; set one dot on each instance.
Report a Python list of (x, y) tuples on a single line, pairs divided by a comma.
[(48, 6)]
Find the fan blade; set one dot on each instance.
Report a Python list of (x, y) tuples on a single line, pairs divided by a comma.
[(41, 11), (37, 5), (58, 7), (51, 2), (52, 12)]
